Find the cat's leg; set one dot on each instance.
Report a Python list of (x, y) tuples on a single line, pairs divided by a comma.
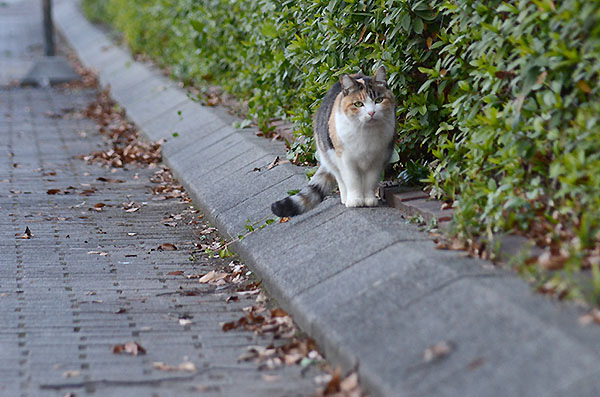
[(369, 187), (333, 165), (352, 181), (343, 192)]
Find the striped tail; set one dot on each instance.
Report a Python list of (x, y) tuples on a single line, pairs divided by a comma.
[(320, 185)]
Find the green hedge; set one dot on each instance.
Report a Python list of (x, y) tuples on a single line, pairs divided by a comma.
[(281, 57), (498, 99), (521, 110)]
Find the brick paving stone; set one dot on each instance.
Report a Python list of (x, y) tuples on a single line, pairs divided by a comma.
[(59, 303)]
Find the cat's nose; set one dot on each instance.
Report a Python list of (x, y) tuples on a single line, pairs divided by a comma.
[(371, 113)]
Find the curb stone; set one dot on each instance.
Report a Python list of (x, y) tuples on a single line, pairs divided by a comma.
[(370, 289)]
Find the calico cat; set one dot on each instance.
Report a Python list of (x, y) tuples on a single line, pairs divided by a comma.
[(354, 130)]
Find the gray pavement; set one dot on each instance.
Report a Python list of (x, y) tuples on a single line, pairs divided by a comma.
[(21, 39), (371, 289), (90, 277)]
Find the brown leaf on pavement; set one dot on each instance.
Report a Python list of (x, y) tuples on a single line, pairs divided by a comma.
[(592, 317), (109, 180), (277, 312), (437, 351), (167, 247), (27, 235), (551, 262), (184, 366), (334, 385), (53, 191), (71, 374), (346, 387), (213, 277), (277, 162), (175, 273), (132, 348), (232, 298), (88, 192)]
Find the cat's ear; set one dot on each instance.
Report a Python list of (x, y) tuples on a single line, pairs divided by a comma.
[(380, 77), (348, 83)]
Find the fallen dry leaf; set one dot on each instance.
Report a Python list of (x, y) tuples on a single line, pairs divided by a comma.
[(592, 317), (350, 383), (551, 262), (184, 366), (175, 273), (53, 191), (109, 180), (276, 162), (346, 387), (27, 235), (333, 386), (167, 247), (278, 313), (212, 277), (71, 374), (437, 351), (132, 348), (88, 192), (270, 378)]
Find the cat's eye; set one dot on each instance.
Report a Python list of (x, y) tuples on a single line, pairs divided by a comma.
[(358, 104), (379, 99)]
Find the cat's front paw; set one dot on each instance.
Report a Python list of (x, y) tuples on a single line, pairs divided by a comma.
[(371, 201), (354, 202)]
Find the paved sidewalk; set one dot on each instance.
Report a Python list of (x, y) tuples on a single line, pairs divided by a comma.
[(21, 38), (90, 278), (372, 290)]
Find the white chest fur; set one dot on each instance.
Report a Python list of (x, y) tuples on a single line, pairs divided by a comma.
[(365, 144)]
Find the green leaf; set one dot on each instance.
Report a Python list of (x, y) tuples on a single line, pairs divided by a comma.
[(197, 25), (405, 22), (418, 25)]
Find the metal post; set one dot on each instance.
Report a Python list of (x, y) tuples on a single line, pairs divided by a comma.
[(49, 49), (50, 69)]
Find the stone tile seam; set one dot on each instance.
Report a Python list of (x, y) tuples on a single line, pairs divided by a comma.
[(253, 196), (355, 263), (116, 91), (230, 156), (262, 159), (323, 221), (168, 110), (216, 131)]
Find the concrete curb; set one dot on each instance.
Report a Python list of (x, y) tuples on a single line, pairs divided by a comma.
[(372, 290)]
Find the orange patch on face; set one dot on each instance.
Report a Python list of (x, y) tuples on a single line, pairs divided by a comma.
[(348, 102)]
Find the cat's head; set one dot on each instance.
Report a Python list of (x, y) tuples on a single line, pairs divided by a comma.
[(367, 99)]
